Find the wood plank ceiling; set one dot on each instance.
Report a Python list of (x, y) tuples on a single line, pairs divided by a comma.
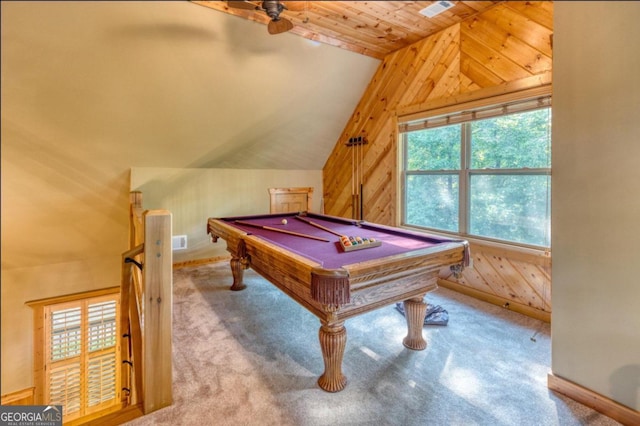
[(372, 28)]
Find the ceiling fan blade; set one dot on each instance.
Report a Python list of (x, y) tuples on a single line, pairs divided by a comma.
[(242, 4), (282, 25), (295, 6)]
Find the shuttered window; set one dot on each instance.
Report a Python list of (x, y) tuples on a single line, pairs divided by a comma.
[(82, 361)]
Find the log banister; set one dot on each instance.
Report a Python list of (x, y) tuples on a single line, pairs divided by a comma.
[(146, 297)]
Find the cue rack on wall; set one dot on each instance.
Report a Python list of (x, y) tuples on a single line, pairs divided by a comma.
[(357, 173)]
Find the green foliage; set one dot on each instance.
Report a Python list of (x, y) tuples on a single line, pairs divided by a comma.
[(512, 141), (512, 205), (434, 149), (432, 201)]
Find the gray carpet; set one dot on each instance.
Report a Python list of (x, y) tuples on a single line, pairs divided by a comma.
[(253, 357)]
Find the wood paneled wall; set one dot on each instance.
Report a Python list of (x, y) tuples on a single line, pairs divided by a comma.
[(506, 48), (516, 280)]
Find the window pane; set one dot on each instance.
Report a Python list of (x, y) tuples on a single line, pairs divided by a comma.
[(434, 149), (512, 141), (514, 208), (102, 325), (432, 201), (65, 334)]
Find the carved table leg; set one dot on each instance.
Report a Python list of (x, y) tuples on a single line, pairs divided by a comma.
[(239, 262), (333, 339), (237, 269), (415, 310)]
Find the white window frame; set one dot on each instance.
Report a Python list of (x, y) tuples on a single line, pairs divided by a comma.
[(464, 115)]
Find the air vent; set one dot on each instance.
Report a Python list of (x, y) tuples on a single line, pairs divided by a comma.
[(436, 8), (179, 242)]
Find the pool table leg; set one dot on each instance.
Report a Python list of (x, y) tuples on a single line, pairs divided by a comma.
[(239, 262), (237, 269), (333, 339), (415, 310)]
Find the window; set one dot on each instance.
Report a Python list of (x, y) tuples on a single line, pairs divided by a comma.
[(487, 175), (80, 355)]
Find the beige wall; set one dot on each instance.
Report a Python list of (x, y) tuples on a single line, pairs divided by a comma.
[(93, 89), (596, 198), (193, 195)]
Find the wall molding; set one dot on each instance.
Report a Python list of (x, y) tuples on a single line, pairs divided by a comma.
[(591, 399), (21, 397), (199, 262)]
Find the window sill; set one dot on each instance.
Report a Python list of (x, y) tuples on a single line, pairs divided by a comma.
[(524, 249)]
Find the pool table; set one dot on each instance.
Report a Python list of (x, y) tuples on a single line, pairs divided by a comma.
[(301, 254)]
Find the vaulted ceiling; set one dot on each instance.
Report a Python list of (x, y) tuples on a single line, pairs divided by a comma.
[(372, 28), (202, 88)]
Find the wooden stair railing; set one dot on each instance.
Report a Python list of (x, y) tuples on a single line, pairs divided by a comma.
[(146, 314)]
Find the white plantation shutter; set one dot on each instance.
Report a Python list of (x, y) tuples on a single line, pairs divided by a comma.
[(64, 357), (101, 379), (64, 387), (82, 358), (102, 367)]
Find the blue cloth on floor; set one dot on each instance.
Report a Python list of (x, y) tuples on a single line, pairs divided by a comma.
[(435, 315)]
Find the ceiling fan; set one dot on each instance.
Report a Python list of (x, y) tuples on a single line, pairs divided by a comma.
[(277, 24)]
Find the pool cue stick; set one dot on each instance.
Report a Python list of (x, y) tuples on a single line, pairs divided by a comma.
[(356, 200), (359, 180), (356, 212), (361, 202), (358, 165), (353, 172), (353, 181), (317, 225), (269, 228)]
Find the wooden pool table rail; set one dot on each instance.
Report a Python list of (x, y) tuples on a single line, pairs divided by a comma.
[(353, 289)]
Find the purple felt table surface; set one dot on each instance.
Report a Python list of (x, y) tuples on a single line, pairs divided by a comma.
[(330, 255)]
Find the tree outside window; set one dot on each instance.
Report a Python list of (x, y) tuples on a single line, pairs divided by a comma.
[(487, 178)]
